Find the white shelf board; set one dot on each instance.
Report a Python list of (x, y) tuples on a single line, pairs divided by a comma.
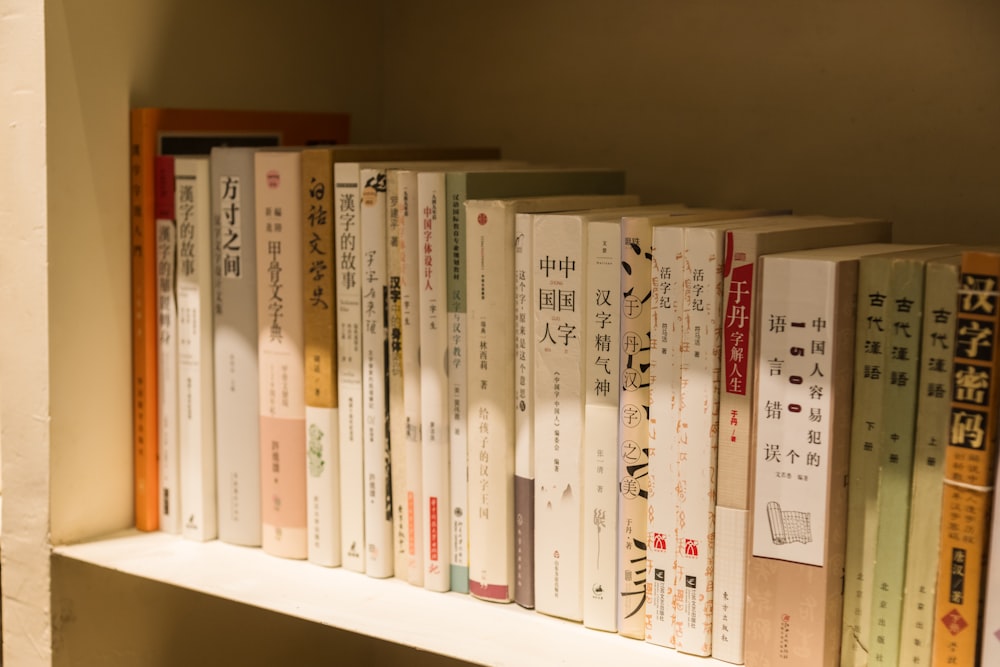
[(449, 624)]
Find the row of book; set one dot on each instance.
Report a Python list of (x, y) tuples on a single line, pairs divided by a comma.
[(635, 417)]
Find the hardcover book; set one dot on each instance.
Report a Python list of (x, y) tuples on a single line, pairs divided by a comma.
[(808, 310), (163, 131)]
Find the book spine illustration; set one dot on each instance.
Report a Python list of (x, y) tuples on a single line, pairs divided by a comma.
[(524, 412)]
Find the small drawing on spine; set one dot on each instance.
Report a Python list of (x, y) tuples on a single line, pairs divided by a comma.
[(788, 527)]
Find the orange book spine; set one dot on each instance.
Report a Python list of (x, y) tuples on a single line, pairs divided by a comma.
[(969, 462)]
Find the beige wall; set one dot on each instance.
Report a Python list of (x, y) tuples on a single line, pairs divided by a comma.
[(862, 108)]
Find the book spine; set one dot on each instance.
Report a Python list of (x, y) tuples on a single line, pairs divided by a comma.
[(602, 335), (167, 411), (375, 389), (738, 360), (319, 334), (970, 463), (807, 324), (490, 289), (701, 338), (633, 482), (394, 374), (410, 271), (524, 416), (558, 256), (145, 402), (236, 372), (866, 440), (932, 432), (195, 376), (277, 182), (347, 258), (667, 253), (990, 634), (458, 388), (432, 205), (896, 459)]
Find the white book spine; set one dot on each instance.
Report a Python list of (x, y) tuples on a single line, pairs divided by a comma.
[(169, 452), (701, 339), (600, 471), (664, 424), (410, 275), (394, 375), (375, 353), (432, 206), (490, 290), (558, 257), (236, 375), (282, 383), (524, 411), (990, 634), (196, 407), (347, 258)]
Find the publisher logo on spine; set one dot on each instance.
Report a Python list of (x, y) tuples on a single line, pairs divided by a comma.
[(659, 542), (690, 547), (273, 179)]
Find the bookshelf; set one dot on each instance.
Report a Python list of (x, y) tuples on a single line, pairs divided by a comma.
[(883, 109)]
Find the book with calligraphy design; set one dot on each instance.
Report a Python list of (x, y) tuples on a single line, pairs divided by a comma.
[(806, 346), (969, 462)]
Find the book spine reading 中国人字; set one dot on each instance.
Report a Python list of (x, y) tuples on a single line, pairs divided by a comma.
[(394, 374), (166, 131), (347, 259), (277, 181), (895, 465), (741, 281), (932, 432), (806, 342), (196, 407), (320, 370), (167, 414), (236, 374), (969, 462)]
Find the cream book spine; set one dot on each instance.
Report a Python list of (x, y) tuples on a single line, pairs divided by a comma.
[(277, 183), (195, 376), (347, 258), (432, 205), (394, 374), (524, 415), (168, 447), (320, 350), (236, 359)]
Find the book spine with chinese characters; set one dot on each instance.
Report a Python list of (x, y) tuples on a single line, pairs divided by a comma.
[(932, 433), (558, 258), (411, 266), (195, 372), (374, 354), (808, 309), (741, 280), (601, 349), (236, 376), (990, 633), (347, 258), (432, 206), (394, 373), (320, 341), (667, 252), (166, 306), (278, 196), (524, 415), (895, 465), (969, 463)]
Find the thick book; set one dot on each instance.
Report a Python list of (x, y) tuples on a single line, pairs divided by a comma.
[(806, 346), (394, 374), (932, 433), (490, 289), (344, 162), (524, 416), (166, 295), (163, 131), (237, 435), (867, 437), (195, 371), (895, 463), (741, 280), (278, 203), (969, 463)]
